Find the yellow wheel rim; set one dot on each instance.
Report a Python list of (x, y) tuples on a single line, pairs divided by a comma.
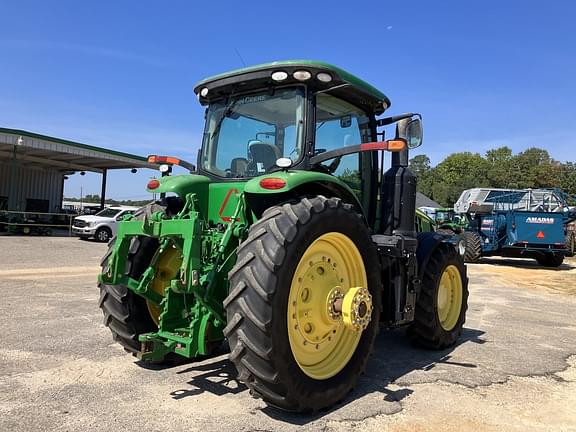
[(449, 297), (166, 270), (321, 343)]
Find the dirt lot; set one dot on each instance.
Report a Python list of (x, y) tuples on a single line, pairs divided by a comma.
[(514, 369)]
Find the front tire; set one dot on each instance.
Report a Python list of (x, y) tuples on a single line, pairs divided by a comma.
[(441, 306), (473, 245), (286, 347), (571, 243)]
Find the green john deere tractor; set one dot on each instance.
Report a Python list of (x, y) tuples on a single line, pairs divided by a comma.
[(449, 222), (287, 239)]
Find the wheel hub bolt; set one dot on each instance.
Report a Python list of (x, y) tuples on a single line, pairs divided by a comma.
[(334, 304), (357, 308)]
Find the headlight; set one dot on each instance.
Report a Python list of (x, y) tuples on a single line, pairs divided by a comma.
[(89, 224)]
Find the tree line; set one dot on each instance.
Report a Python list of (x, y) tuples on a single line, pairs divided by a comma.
[(498, 168)]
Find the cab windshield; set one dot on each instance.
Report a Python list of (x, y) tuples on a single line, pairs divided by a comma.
[(246, 134), (443, 215), (108, 212)]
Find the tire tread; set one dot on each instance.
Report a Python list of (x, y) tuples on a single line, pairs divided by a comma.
[(249, 303)]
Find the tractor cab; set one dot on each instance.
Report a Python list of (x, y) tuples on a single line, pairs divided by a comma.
[(297, 115), (292, 110)]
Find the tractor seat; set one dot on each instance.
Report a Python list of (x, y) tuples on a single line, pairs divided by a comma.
[(263, 156), (238, 167)]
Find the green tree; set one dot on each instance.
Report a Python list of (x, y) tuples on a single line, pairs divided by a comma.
[(91, 198), (568, 178), (500, 174), (534, 168), (420, 166), (351, 178), (458, 172)]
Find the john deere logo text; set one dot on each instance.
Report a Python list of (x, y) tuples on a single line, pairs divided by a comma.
[(539, 220), (251, 99)]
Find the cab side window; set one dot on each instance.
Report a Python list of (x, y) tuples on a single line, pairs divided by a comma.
[(340, 124)]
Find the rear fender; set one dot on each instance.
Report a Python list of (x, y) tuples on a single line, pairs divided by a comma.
[(182, 185), (428, 243), (297, 185)]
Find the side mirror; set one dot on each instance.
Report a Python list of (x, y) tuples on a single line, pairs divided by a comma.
[(411, 131), (414, 133)]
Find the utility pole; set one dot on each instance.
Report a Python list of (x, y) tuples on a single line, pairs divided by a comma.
[(103, 190)]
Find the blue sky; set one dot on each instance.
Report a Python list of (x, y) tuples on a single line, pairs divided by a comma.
[(120, 74)]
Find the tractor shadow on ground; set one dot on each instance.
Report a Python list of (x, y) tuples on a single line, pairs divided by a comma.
[(217, 377), (213, 374), (526, 263), (394, 356)]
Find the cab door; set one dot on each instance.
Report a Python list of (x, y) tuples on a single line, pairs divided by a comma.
[(340, 124)]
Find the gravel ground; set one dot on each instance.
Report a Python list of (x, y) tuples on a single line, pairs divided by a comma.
[(514, 368)]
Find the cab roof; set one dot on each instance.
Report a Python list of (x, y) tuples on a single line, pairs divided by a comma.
[(343, 84)]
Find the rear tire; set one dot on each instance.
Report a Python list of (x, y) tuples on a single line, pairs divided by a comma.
[(571, 243), (439, 318), (126, 313), (260, 299), (550, 259), (473, 244)]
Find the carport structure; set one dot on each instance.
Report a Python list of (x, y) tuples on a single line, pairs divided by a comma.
[(33, 168)]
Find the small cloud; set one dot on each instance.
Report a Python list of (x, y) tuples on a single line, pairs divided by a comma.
[(389, 28)]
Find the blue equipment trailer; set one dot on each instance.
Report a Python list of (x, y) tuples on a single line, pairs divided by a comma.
[(517, 223)]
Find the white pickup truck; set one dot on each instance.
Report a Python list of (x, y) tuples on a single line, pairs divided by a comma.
[(102, 225)]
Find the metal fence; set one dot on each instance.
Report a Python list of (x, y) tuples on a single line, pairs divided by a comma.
[(35, 223)]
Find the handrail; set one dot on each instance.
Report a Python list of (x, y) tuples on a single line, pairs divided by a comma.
[(15, 222)]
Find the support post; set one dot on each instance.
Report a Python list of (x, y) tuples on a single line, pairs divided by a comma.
[(103, 191), (13, 189)]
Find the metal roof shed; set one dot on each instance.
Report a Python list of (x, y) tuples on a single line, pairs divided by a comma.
[(33, 166)]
